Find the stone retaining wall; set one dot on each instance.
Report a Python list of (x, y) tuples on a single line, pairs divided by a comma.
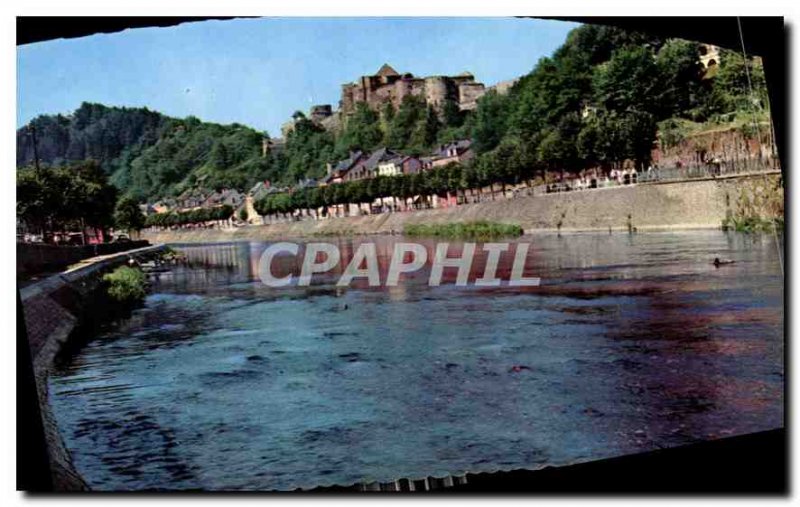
[(53, 308)]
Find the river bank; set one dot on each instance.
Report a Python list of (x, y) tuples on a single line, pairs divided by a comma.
[(696, 204), (54, 309)]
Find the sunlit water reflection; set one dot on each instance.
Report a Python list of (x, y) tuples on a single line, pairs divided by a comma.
[(631, 343)]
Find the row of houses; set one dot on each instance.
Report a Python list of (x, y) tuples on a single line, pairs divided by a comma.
[(386, 162), (359, 165), (196, 198)]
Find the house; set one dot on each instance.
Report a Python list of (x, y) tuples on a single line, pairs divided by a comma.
[(229, 196), (190, 199), (368, 167), (426, 163), (399, 165), (337, 174), (164, 206), (411, 165), (456, 151)]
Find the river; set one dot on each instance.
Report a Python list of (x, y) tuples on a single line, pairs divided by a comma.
[(630, 343)]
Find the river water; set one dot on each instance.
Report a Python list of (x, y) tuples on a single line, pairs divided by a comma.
[(630, 343)]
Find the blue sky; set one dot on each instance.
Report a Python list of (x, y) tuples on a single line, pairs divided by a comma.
[(259, 71)]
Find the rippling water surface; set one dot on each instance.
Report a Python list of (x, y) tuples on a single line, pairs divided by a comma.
[(631, 343)]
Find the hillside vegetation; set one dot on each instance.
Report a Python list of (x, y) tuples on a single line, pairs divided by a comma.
[(597, 101), (147, 154)]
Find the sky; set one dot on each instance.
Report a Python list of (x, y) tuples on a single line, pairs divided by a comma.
[(257, 72)]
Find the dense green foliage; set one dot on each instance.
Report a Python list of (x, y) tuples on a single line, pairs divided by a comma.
[(192, 153), (112, 136), (452, 179), (54, 199), (146, 154), (362, 131), (599, 100), (126, 284), (480, 230), (308, 148), (128, 216), (196, 216)]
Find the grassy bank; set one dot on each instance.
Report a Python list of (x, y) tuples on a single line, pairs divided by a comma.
[(469, 230)]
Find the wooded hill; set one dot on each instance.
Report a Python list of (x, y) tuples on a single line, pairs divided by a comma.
[(147, 154), (598, 100)]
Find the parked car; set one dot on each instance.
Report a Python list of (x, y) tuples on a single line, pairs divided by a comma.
[(121, 238)]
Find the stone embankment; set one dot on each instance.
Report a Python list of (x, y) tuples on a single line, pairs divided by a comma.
[(647, 207), (36, 258), (53, 309)]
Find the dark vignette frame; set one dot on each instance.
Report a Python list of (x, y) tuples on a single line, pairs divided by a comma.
[(754, 464)]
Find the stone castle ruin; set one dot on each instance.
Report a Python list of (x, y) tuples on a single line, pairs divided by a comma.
[(387, 85)]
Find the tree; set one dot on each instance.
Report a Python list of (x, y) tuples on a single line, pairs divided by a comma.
[(39, 202), (680, 75), (308, 148), (387, 115), (128, 216), (411, 111), (557, 86), (490, 121), (362, 131), (630, 81), (219, 158), (148, 155), (609, 138), (470, 178), (425, 132), (558, 148), (639, 128), (595, 101), (731, 89), (59, 198), (452, 115)]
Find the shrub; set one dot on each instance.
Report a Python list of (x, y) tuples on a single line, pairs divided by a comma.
[(753, 224), (126, 285)]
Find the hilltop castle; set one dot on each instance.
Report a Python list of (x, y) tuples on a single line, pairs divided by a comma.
[(388, 85)]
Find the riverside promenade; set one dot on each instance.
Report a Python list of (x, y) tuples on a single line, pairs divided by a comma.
[(669, 205)]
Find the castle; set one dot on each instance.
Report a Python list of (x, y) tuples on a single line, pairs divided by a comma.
[(390, 86)]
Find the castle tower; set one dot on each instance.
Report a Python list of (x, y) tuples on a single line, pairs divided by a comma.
[(468, 95), (387, 74), (435, 91), (320, 112)]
